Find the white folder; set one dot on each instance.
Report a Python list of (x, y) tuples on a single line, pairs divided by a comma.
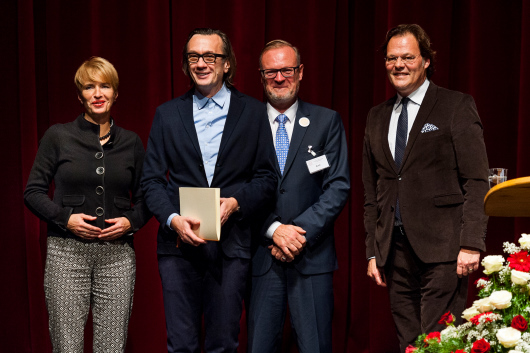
[(204, 205)]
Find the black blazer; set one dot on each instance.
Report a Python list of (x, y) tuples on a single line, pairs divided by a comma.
[(441, 184), (244, 169), (89, 178), (310, 201)]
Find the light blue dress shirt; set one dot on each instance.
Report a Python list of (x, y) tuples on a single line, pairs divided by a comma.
[(209, 117)]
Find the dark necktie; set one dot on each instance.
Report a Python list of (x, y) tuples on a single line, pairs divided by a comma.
[(401, 133), (401, 143)]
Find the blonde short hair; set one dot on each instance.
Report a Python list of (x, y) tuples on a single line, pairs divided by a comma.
[(96, 69), (279, 43)]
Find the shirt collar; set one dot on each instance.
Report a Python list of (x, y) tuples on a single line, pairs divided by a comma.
[(272, 113), (219, 98), (416, 96)]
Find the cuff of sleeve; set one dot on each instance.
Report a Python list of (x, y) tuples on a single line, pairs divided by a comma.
[(62, 220), (272, 228), (473, 237), (168, 222), (130, 216)]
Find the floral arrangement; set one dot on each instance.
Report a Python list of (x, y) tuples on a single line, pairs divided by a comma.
[(498, 321)]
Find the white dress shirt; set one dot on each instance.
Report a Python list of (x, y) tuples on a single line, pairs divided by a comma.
[(289, 127), (289, 124), (209, 117), (413, 107)]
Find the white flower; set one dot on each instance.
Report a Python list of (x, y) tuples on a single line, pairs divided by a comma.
[(510, 248), (523, 345), (469, 313), (483, 305), (524, 240), (501, 299), (492, 263), (504, 273), (448, 332), (489, 317), (464, 327), (520, 278), (481, 282), (508, 336), (514, 351)]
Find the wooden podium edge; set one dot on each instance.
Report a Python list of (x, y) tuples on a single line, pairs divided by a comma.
[(509, 199)]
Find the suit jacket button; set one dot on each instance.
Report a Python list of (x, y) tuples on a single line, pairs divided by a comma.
[(392, 208), (282, 191)]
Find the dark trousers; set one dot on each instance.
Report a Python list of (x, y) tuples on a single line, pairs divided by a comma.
[(310, 299), (420, 293), (195, 285)]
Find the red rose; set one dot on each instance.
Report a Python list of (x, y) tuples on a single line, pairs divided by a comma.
[(410, 349), (520, 261), (447, 319), (519, 323), (432, 336), (480, 346)]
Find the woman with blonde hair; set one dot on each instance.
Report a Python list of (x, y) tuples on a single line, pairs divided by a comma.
[(96, 207)]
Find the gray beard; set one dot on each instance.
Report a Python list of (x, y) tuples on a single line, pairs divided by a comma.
[(274, 98)]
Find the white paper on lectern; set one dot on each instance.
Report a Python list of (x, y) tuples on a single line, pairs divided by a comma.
[(204, 205)]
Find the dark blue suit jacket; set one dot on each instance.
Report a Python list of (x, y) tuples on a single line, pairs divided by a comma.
[(310, 201), (244, 170)]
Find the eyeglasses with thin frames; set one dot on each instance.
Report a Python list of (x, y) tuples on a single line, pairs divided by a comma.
[(407, 60)]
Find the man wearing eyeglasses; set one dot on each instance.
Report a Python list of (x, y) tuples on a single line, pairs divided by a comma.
[(295, 257), (425, 177), (213, 136)]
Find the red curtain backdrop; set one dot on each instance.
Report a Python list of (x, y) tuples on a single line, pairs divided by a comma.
[(483, 49)]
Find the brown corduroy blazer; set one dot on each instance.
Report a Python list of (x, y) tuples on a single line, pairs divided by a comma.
[(441, 183)]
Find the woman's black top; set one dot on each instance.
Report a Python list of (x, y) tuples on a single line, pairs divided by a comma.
[(98, 180)]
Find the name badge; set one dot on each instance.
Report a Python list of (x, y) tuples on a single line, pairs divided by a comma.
[(317, 164)]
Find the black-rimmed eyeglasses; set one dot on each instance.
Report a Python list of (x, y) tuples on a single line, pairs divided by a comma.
[(285, 71), (208, 58)]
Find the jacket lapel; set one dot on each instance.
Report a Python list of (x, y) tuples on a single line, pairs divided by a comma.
[(387, 114), (298, 135), (234, 113), (185, 106), (425, 109)]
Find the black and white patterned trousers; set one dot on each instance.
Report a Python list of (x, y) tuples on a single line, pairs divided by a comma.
[(79, 275)]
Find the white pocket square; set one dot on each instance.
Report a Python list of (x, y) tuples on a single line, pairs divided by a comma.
[(428, 127)]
